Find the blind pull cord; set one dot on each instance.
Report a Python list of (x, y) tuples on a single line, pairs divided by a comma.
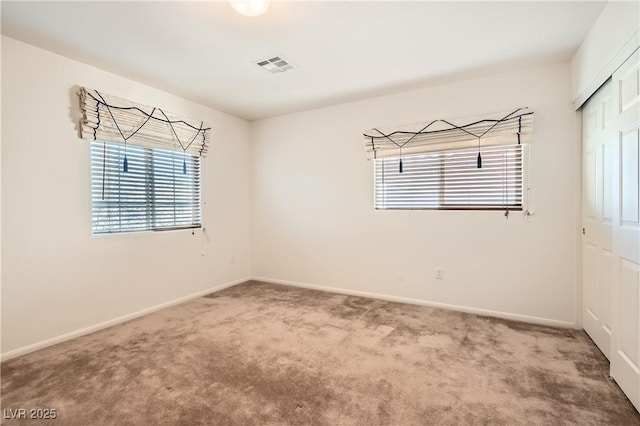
[(479, 155), (400, 169), (203, 210), (184, 148), (184, 162), (125, 165), (396, 144)]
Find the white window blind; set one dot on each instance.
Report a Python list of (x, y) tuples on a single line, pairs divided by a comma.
[(503, 128), (451, 180), (109, 118), (154, 194)]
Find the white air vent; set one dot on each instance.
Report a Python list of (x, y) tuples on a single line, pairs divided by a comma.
[(274, 64)]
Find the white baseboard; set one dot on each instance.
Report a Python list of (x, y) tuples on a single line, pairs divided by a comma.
[(87, 330), (460, 308), (96, 327)]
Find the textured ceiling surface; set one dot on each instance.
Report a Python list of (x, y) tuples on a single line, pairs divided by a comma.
[(341, 51)]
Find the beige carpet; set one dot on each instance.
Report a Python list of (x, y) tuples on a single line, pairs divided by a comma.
[(263, 354)]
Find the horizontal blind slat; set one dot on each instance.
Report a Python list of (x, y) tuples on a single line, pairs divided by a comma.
[(154, 194), (451, 179)]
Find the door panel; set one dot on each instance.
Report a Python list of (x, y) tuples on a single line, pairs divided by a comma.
[(606, 271), (598, 146), (590, 295), (625, 336), (625, 356), (629, 312), (607, 178), (628, 79), (629, 172)]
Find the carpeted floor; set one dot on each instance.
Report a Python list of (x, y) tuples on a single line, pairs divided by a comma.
[(263, 354)]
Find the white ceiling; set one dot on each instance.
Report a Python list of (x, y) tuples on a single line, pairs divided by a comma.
[(343, 51)]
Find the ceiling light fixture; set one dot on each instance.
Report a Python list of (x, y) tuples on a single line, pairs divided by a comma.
[(250, 7)]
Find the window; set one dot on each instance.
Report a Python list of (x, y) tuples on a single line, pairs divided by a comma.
[(154, 194), (451, 180)]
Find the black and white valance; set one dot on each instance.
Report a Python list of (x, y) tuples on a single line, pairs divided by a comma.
[(512, 127), (112, 119)]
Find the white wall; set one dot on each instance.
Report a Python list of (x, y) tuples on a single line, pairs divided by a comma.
[(612, 39), (314, 222), (56, 277)]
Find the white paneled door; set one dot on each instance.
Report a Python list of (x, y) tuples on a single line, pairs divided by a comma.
[(625, 350), (611, 223), (597, 251)]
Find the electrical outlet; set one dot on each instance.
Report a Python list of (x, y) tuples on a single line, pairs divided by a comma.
[(233, 259), (439, 274)]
